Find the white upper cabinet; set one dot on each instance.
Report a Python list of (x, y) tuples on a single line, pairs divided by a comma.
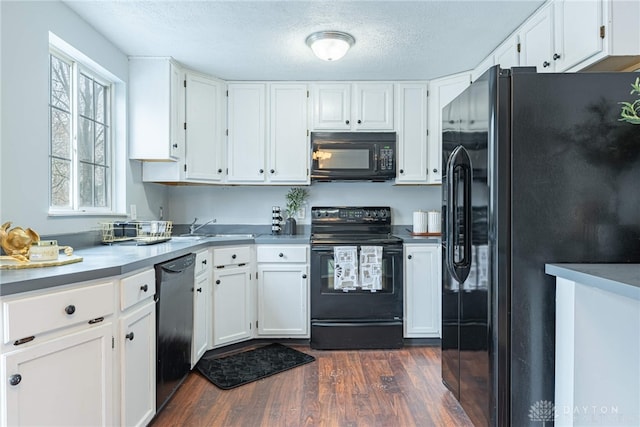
[(577, 31), (196, 114), (536, 40), (352, 107), (507, 55), (331, 106), (156, 109), (247, 132), (289, 134), (283, 156), (441, 92), (204, 128), (411, 132), (373, 106)]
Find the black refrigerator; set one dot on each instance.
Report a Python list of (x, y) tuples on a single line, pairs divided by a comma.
[(537, 169)]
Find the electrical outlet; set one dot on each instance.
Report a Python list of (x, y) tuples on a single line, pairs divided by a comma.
[(134, 213)]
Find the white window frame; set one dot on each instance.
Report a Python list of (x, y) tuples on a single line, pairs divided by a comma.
[(116, 191)]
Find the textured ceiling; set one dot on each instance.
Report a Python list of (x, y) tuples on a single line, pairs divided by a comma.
[(265, 40)]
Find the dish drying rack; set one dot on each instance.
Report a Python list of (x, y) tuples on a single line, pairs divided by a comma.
[(142, 232)]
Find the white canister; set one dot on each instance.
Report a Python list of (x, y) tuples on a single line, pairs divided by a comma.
[(420, 224), (434, 222)]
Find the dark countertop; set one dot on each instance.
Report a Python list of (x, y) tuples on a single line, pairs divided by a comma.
[(104, 261), (622, 279)]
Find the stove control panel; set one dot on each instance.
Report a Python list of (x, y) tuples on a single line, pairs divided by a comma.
[(351, 214)]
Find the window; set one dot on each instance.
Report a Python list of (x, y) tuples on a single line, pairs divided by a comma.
[(81, 149)]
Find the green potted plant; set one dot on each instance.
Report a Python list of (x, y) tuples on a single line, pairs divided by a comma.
[(630, 112), (295, 199)]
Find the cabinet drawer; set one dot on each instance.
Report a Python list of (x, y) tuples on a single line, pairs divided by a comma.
[(231, 255), (34, 315), (203, 261), (136, 288), (281, 253)]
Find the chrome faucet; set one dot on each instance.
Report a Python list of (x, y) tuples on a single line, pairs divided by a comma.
[(193, 228)]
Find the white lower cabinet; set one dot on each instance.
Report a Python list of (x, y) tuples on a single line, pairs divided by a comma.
[(232, 298), (136, 344), (283, 291), (137, 365), (201, 306), (422, 281), (63, 381)]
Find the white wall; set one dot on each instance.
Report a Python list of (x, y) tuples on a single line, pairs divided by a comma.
[(252, 205), (24, 146)]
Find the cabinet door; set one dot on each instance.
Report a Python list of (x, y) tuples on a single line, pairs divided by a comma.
[(373, 109), (247, 134), (231, 297), (507, 55), (201, 317), (442, 91), (65, 381), (577, 32), (156, 109), (288, 142), (283, 300), (536, 38), (411, 131), (138, 366), (422, 291), (204, 135), (331, 106)]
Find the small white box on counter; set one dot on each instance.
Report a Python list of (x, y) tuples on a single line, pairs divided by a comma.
[(44, 250)]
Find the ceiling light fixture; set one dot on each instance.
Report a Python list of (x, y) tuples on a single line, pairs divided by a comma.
[(330, 45)]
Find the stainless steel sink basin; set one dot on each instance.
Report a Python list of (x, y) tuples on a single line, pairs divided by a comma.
[(187, 237), (237, 236), (221, 235)]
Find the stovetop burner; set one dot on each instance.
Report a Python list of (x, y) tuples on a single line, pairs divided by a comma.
[(352, 225)]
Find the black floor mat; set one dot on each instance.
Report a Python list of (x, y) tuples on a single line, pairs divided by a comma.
[(242, 368)]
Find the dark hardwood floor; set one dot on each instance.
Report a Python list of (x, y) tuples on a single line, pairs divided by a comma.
[(341, 388)]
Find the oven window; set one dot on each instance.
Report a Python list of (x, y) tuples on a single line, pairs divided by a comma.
[(367, 275), (342, 159)]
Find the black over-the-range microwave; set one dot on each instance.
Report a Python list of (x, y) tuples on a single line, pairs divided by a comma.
[(353, 156)]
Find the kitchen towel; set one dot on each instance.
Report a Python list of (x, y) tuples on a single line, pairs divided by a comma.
[(420, 222), (371, 267), (345, 267)]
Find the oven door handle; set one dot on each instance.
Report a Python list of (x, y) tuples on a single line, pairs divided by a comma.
[(358, 323)]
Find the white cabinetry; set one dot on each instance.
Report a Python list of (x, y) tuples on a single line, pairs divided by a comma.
[(411, 132), (201, 160), (201, 306), (359, 106), (283, 157), (441, 92), (232, 297), (507, 55), (246, 132), (283, 291), (57, 361), (563, 34), (536, 40), (137, 345), (422, 273), (288, 160), (156, 109)]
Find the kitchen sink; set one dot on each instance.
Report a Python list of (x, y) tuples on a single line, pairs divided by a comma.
[(238, 236), (187, 237)]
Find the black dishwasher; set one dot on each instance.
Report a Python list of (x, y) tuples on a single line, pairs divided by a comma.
[(174, 325)]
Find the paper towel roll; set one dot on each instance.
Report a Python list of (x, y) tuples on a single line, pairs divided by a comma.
[(434, 222), (420, 222)]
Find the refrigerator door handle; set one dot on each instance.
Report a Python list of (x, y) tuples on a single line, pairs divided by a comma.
[(459, 166)]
